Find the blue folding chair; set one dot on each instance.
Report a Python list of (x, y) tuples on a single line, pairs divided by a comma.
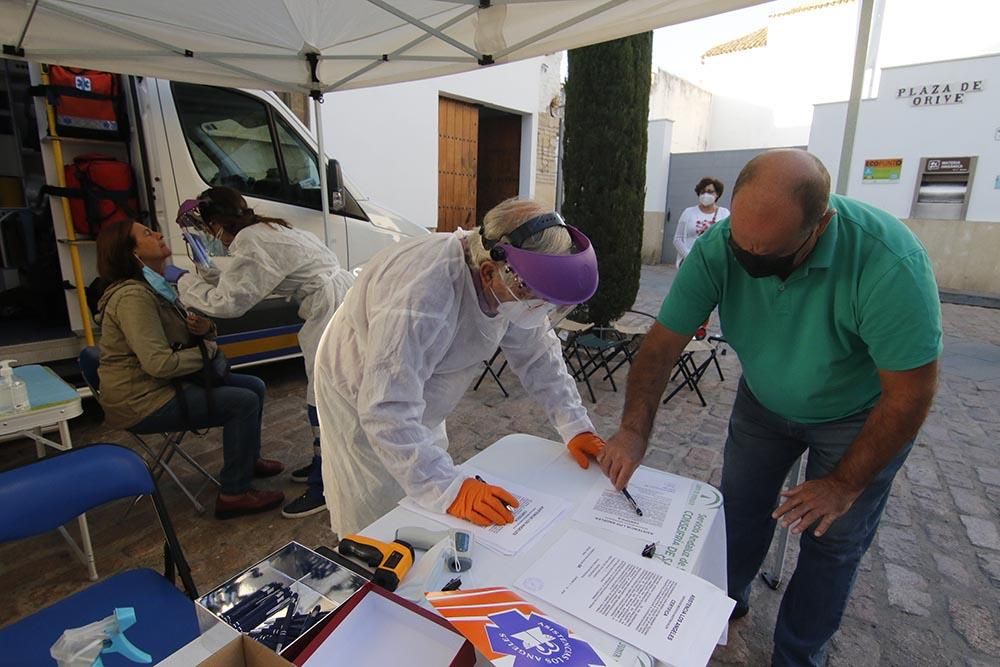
[(170, 443), (74, 482)]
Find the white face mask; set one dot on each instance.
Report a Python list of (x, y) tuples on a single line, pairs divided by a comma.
[(524, 313), (528, 314), (706, 199)]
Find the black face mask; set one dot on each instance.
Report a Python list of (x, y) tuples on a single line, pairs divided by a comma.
[(762, 266)]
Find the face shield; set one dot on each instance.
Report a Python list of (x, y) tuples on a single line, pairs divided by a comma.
[(198, 233), (562, 280)]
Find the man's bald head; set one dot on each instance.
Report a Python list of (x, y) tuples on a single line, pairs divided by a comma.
[(780, 197), (794, 174)]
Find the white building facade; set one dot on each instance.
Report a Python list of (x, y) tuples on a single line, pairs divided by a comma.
[(927, 150), (388, 138)]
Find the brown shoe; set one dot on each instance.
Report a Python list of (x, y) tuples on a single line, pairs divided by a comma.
[(251, 502), (267, 468)]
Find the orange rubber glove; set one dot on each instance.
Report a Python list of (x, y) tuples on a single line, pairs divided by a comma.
[(483, 504), (585, 446)]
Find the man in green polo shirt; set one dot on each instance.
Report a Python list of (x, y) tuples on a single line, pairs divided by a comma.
[(833, 310)]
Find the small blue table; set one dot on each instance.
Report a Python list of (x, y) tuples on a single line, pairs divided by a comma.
[(53, 404)]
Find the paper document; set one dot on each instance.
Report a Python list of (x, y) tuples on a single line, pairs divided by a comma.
[(537, 512), (674, 616), (676, 512)]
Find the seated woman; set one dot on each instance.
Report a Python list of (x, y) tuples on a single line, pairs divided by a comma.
[(149, 341)]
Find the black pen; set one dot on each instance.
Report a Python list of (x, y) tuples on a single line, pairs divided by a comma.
[(293, 602), (509, 508), (628, 497)]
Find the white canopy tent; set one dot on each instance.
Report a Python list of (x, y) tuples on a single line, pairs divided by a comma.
[(321, 45), (318, 46)]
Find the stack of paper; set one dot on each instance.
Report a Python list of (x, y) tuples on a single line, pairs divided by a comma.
[(670, 614), (537, 512)]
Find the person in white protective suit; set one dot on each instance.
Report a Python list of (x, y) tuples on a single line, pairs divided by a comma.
[(411, 337), (268, 256)]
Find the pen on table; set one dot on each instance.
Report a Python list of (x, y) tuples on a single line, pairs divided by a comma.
[(628, 497), (485, 482)]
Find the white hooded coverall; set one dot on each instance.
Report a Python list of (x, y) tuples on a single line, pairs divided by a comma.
[(395, 361), (270, 259)]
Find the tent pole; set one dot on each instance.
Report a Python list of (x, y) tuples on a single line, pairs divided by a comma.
[(27, 24), (854, 104), (324, 186)]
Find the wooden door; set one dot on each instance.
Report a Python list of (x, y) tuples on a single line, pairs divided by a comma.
[(458, 137), (499, 160)]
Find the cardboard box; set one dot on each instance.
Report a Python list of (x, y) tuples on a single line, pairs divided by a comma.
[(244, 652), (377, 628)]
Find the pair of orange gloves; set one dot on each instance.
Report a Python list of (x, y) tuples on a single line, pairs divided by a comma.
[(485, 504)]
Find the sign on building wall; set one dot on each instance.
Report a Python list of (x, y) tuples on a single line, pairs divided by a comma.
[(882, 171), (949, 165), (939, 94)]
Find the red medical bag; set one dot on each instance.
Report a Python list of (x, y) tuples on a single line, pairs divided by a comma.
[(88, 103), (101, 190)]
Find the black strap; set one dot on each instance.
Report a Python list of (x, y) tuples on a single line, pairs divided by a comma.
[(206, 375), (53, 92), (526, 230)]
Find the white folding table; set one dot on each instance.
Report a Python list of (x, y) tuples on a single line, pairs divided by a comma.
[(546, 466), (53, 404)]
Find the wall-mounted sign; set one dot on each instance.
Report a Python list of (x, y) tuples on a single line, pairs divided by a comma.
[(882, 171), (938, 94), (948, 165)]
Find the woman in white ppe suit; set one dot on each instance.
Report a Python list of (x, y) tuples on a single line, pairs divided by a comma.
[(269, 256), (410, 339)]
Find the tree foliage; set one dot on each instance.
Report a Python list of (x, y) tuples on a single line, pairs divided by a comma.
[(604, 164)]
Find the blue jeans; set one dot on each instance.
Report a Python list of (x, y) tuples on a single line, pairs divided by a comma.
[(315, 480), (237, 406), (760, 450)]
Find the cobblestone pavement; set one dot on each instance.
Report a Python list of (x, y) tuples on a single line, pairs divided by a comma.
[(929, 588)]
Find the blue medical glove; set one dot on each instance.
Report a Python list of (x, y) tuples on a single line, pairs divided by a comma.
[(173, 273)]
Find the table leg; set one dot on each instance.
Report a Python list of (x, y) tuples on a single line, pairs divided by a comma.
[(39, 447), (774, 566), (87, 548)]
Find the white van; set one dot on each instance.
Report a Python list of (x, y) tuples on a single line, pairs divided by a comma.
[(183, 139)]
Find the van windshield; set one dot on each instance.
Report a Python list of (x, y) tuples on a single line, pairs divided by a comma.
[(239, 141)]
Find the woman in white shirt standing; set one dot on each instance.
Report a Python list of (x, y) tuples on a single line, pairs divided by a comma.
[(695, 220)]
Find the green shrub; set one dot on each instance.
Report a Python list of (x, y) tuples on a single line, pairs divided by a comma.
[(604, 164)]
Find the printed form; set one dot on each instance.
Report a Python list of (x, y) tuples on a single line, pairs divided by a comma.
[(676, 512), (537, 512), (674, 616)]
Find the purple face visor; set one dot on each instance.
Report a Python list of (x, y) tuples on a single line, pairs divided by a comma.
[(560, 279), (188, 215)]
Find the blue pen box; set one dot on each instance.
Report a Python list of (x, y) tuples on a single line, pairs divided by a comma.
[(280, 598)]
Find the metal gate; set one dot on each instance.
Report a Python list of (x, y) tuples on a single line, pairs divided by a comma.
[(686, 169)]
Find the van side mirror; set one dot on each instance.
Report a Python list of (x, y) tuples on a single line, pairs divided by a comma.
[(335, 181)]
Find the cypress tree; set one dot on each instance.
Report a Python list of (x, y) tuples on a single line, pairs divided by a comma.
[(604, 164)]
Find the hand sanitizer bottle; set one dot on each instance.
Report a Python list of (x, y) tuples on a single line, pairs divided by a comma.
[(6, 387), (19, 395)]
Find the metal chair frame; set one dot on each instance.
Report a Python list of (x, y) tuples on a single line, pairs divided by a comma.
[(495, 374), (169, 445)]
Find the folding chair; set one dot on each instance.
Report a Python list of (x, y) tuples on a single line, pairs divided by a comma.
[(601, 346), (692, 370), (633, 333), (45, 494), (170, 443), (495, 374)]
